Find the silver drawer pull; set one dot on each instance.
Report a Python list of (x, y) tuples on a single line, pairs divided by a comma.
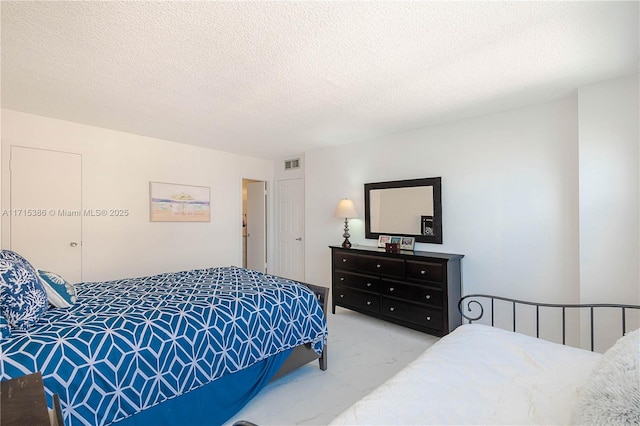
[(423, 272), (344, 260), (368, 302), (428, 296), (392, 309), (341, 278), (368, 284), (342, 295), (391, 288), (428, 318), (378, 265)]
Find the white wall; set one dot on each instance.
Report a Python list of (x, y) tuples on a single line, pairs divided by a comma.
[(509, 197), (516, 195), (609, 187), (279, 173), (117, 168), (543, 201), (1, 183)]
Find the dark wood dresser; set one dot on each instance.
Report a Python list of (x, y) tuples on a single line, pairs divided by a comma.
[(415, 289)]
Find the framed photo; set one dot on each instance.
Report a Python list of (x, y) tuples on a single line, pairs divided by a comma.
[(171, 202), (406, 243), (383, 239), (427, 226), (395, 240)]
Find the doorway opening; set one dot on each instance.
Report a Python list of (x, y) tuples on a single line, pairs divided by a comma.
[(254, 225)]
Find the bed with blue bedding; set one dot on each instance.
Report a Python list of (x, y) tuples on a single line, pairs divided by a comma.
[(189, 347)]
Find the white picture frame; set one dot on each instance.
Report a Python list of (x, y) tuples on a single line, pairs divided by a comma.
[(407, 243), (382, 240)]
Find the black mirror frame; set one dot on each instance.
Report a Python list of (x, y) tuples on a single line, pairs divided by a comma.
[(436, 238)]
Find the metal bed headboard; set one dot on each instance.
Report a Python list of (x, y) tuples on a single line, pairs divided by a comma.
[(470, 299)]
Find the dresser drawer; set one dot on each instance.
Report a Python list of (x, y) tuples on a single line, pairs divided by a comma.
[(356, 281), (344, 260), (381, 266), (425, 271), (412, 293), (357, 299), (416, 314)]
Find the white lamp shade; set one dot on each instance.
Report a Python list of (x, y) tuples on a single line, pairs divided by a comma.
[(346, 209)]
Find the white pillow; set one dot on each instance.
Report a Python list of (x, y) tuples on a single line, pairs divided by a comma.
[(611, 395)]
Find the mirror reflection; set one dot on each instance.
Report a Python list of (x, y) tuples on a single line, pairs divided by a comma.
[(400, 210)]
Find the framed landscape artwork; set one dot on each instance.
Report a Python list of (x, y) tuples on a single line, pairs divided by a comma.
[(171, 202)]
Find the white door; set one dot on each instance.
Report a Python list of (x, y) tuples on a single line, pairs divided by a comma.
[(256, 226), (289, 234), (46, 207)]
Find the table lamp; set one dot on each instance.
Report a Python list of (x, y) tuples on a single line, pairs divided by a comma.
[(347, 210)]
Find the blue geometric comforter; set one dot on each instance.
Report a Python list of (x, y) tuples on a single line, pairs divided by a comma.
[(130, 344)]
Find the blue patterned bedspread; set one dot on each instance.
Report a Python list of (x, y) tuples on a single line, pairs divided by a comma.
[(131, 344)]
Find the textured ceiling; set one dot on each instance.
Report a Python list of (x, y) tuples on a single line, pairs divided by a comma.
[(274, 79)]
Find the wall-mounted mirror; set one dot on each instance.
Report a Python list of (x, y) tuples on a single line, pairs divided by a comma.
[(404, 207)]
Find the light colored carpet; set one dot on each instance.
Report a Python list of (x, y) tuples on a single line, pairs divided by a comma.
[(363, 352)]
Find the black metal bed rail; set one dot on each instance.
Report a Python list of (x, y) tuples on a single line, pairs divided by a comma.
[(470, 299)]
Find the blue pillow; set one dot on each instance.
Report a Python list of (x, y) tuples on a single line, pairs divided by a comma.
[(22, 296), (60, 293), (5, 331)]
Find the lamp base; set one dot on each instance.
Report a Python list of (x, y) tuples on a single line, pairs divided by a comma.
[(346, 243)]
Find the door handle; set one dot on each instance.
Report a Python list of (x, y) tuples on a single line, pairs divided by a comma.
[(299, 239), (73, 244)]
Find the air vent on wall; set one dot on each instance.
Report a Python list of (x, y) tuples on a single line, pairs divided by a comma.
[(292, 164)]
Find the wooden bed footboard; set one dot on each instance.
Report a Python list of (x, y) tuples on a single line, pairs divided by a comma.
[(472, 308), (304, 354), (322, 293)]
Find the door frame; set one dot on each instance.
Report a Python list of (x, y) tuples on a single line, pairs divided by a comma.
[(267, 220)]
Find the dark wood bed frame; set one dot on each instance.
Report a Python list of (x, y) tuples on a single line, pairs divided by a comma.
[(304, 354)]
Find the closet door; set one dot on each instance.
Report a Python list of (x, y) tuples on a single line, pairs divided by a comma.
[(289, 232), (46, 209)]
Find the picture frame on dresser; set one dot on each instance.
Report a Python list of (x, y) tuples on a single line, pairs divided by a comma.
[(407, 243), (383, 239)]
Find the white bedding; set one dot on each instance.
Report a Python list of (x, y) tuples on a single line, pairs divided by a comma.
[(480, 375)]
